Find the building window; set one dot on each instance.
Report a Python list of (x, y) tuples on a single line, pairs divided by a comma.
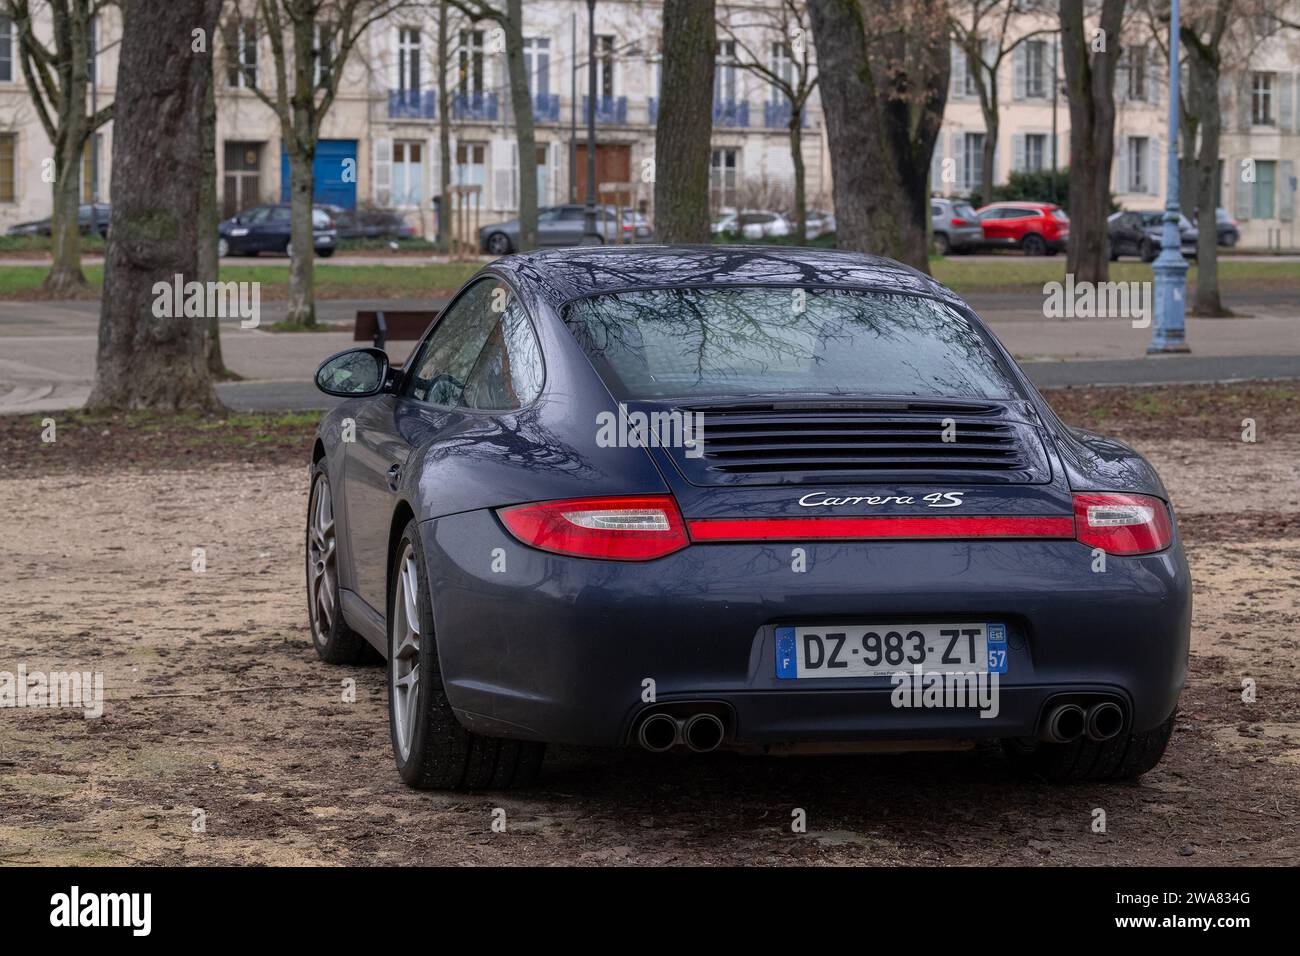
[(972, 160), (537, 64), (408, 59), (241, 177), (241, 55), (604, 66), (1036, 68), (1139, 148), (723, 168), (408, 173), (1137, 72), (242, 48), (1035, 150), (8, 170), (6, 50), (1261, 203), (469, 62), (324, 52), (782, 66), (724, 74), (1261, 99), (471, 164)]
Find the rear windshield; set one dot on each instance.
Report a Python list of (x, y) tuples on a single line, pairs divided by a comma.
[(681, 343)]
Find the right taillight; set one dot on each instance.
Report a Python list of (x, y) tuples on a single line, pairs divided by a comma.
[(1122, 524), (632, 528)]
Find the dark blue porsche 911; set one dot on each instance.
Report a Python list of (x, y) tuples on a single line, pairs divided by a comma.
[(777, 501)]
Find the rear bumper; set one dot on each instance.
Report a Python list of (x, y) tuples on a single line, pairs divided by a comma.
[(560, 649)]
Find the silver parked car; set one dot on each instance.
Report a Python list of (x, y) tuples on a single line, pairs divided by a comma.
[(955, 225), (563, 226)]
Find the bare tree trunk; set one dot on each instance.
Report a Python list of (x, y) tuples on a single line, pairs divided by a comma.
[(302, 259), (1090, 85), (991, 122), (148, 358), (883, 110), (65, 276), (521, 100), (209, 220), (682, 148), (1203, 65), (444, 131), (800, 177)]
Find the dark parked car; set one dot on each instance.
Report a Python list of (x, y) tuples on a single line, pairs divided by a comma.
[(1140, 233), (1037, 228), (626, 497), (1226, 228), (956, 226), (90, 216), (370, 223), (563, 226), (266, 229)]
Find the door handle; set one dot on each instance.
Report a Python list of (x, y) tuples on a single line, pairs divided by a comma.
[(394, 477)]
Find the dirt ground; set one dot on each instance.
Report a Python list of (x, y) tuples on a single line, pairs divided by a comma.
[(217, 703)]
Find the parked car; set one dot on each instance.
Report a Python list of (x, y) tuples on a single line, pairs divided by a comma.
[(751, 224), (266, 229), (956, 226), (724, 223), (946, 558), (90, 216), (563, 226), (820, 223), (1226, 228), (1141, 232), (370, 223), (1036, 228)]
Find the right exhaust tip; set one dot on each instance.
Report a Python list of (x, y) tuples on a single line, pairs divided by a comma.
[(657, 733), (1065, 723), (1105, 720), (703, 732)]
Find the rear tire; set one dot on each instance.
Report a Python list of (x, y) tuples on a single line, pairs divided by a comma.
[(942, 245), (1148, 251), (1033, 245), (432, 750), (1124, 757), (498, 244)]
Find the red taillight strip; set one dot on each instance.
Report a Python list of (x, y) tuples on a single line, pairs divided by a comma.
[(908, 526)]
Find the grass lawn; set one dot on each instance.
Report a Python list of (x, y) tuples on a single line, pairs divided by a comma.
[(1009, 274)]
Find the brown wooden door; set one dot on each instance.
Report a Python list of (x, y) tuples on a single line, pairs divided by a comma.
[(613, 165)]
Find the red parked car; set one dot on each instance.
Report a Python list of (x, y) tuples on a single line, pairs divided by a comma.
[(1038, 228)]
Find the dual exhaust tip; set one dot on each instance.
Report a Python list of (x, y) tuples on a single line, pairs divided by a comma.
[(1067, 722), (699, 732)]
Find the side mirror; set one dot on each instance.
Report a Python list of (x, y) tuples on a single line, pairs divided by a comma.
[(354, 373)]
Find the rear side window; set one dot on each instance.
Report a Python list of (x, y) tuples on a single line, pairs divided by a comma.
[(481, 354)]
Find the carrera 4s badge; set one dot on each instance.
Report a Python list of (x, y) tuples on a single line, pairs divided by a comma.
[(939, 499)]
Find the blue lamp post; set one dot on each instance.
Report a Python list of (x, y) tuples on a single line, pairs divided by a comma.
[(1170, 267)]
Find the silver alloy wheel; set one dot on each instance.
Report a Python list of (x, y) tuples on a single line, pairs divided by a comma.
[(405, 689), (223, 248), (322, 570), (288, 249), (498, 244)]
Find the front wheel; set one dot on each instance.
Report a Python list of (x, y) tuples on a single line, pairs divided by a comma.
[(432, 749), (942, 245), (1121, 758), (335, 642), (498, 244), (1148, 251), (223, 248), (324, 253)]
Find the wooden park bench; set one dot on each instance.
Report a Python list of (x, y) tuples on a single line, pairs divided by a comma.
[(384, 325)]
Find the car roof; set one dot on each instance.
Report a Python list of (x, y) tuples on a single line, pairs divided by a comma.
[(562, 275)]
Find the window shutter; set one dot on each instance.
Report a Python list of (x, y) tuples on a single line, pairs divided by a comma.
[(382, 170), (954, 153), (1286, 190), (1225, 104), (1121, 166), (1153, 166), (957, 87), (504, 178), (1285, 103), (1019, 60), (1017, 152), (1242, 192), (1154, 76), (1243, 104), (936, 166)]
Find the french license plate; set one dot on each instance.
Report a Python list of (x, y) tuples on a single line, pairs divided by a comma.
[(879, 650)]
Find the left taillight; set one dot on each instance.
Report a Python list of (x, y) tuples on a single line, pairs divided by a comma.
[(1122, 524), (632, 528)]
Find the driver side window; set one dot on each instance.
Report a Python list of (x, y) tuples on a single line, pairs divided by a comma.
[(444, 365)]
